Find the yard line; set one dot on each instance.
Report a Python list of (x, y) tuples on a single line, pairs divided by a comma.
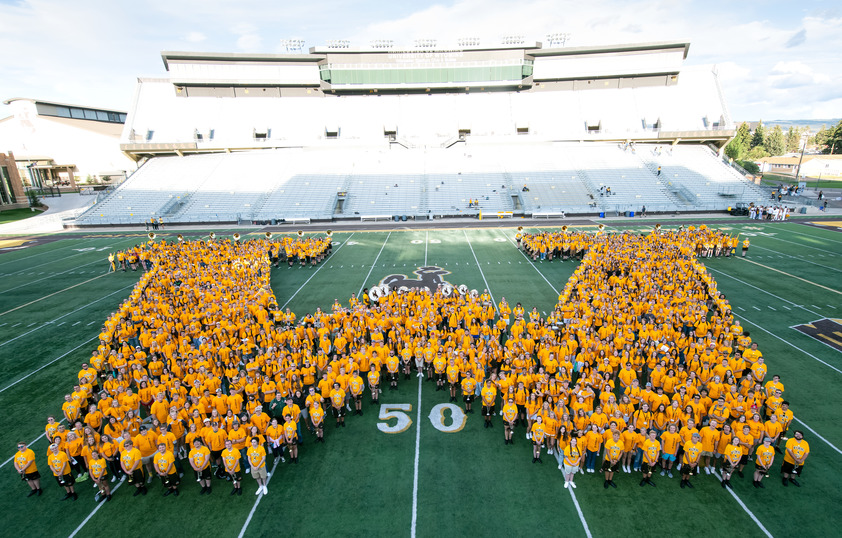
[(802, 259), (533, 266), (801, 244), (53, 261), (53, 251), (791, 344), (75, 324), (50, 295), (257, 501), (581, 515), (50, 276), (831, 445), (373, 265), (747, 511), (426, 242), (30, 374), (28, 445), (743, 282), (480, 272), (793, 276), (94, 511), (319, 268), (417, 458)]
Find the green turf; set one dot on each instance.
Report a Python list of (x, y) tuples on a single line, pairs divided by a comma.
[(361, 481), (12, 215)]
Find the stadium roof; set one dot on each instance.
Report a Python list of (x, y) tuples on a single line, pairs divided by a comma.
[(54, 103)]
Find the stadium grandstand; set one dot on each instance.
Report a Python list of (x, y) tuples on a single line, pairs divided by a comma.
[(355, 133)]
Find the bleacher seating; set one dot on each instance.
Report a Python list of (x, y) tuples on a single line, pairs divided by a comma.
[(265, 185)]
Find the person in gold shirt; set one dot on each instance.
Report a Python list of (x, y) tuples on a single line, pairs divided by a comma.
[(200, 460), (690, 461), (732, 457), (59, 463), (25, 466), (796, 451), (489, 396), (98, 469), (573, 457), (614, 448), (509, 413), (164, 463), (231, 459), (537, 439), (763, 460), (651, 450), (131, 462), (256, 455)]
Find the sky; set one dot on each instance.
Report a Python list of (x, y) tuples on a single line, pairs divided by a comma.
[(776, 59)]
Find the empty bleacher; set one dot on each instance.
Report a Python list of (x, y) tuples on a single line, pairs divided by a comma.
[(266, 185)]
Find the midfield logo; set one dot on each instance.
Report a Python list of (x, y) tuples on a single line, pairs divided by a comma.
[(430, 277), (827, 331)]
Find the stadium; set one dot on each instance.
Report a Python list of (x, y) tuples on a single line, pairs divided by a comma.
[(455, 226)]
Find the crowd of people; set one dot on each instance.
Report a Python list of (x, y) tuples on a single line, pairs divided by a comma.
[(641, 366), (774, 213)]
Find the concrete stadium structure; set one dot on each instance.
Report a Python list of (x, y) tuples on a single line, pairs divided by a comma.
[(341, 132)]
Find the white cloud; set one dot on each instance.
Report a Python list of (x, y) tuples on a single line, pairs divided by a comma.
[(195, 37)]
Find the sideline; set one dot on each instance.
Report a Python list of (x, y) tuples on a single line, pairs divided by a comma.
[(417, 458)]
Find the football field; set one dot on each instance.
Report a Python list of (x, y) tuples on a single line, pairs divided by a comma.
[(416, 465)]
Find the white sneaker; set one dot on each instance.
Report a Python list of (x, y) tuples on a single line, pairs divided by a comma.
[(268, 475), (573, 485), (707, 470), (566, 485), (259, 491), (265, 490), (123, 478), (113, 479), (669, 474), (663, 472), (198, 480), (581, 471), (550, 451), (149, 480), (529, 436), (559, 468)]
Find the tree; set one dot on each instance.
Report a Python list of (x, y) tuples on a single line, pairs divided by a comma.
[(793, 139), (757, 153), (738, 147), (833, 140), (759, 138), (775, 143)]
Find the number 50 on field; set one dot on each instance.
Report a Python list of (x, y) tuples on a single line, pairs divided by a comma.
[(439, 417)]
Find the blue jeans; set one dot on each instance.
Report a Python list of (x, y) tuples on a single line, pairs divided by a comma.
[(590, 459)]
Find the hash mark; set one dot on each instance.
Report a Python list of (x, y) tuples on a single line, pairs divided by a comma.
[(754, 307), (75, 324), (770, 308), (785, 306)]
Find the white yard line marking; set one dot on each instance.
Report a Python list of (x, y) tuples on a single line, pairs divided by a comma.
[(259, 497), (831, 445), (793, 276), (481, 273), (581, 515), (30, 374), (533, 266), (792, 345), (94, 511), (417, 459), (50, 295), (426, 243), (744, 507), (65, 315), (315, 273), (743, 282), (374, 264), (75, 324)]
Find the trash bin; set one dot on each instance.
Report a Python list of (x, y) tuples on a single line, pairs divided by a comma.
[(397, 218), (602, 215), (272, 221), (403, 218)]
